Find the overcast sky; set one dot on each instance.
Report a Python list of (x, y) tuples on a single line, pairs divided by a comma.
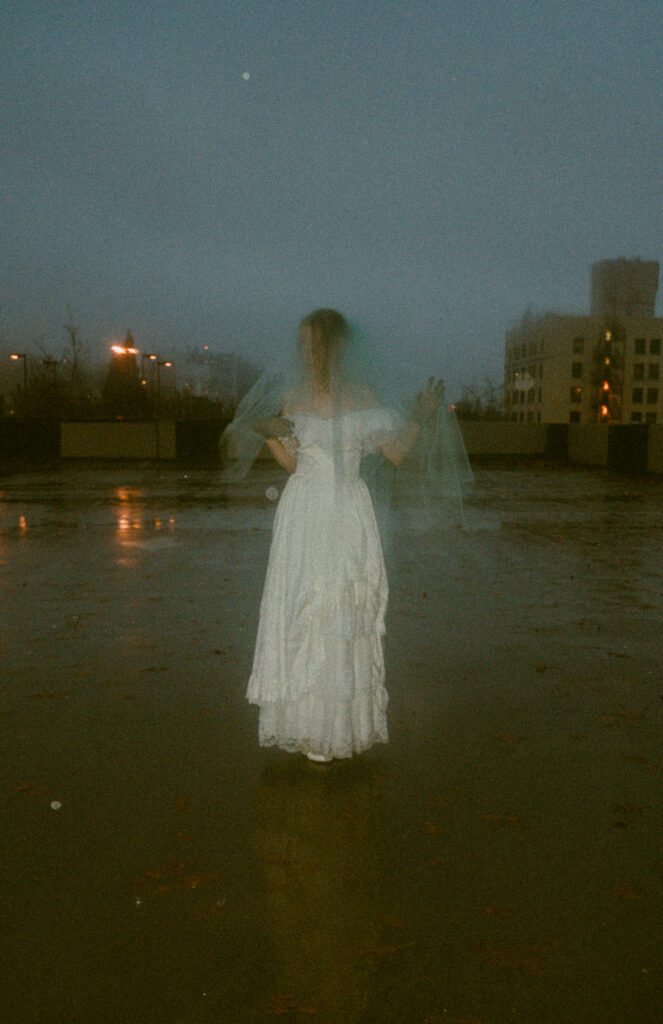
[(206, 172)]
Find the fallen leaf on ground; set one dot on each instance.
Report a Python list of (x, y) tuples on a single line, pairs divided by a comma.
[(393, 920), (625, 814), (508, 738), (173, 877), (507, 821), (382, 951), (43, 694), (525, 958), (280, 1004), (498, 912), (641, 762), (626, 891), (618, 720)]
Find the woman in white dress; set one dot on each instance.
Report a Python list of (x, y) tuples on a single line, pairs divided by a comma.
[(318, 671)]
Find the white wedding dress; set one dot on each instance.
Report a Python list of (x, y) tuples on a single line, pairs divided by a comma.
[(318, 670)]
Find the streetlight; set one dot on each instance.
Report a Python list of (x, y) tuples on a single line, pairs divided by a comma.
[(143, 357), (160, 363), (24, 356)]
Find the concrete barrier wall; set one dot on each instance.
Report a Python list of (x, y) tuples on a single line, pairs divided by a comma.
[(655, 449), (28, 441), (588, 444), (620, 447), (501, 437), (118, 439)]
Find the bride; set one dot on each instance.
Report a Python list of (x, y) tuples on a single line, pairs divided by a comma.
[(318, 671)]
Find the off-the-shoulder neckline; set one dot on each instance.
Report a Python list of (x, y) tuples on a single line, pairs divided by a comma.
[(335, 416)]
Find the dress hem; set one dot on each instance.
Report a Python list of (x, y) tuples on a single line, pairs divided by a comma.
[(304, 748)]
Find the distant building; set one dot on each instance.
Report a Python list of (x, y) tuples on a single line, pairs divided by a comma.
[(624, 288), (601, 367)]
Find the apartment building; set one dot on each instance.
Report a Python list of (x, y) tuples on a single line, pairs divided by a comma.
[(605, 366)]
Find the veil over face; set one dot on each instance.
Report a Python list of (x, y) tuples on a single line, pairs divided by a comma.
[(331, 372)]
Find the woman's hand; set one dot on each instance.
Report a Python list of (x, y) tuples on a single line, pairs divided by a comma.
[(276, 426), (427, 401)]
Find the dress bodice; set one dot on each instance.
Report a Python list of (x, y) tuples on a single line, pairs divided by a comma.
[(325, 445)]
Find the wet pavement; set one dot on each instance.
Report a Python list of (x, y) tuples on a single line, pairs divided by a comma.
[(501, 859)]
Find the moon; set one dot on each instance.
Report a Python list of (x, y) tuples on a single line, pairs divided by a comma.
[(246, 75)]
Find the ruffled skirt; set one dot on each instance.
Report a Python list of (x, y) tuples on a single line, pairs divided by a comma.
[(318, 670)]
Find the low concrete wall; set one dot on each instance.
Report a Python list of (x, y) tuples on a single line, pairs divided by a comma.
[(655, 449), (588, 444), (501, 437), (118, 439), (627, 448), (28, 441)]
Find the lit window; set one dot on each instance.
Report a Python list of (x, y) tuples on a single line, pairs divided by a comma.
[(655, 347), (640, 346), (653, 371), (652, 396), (638, 371), (576, 394), (638, 396), (576, 370)]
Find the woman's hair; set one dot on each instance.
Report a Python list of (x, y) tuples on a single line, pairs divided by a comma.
[(329, 330)]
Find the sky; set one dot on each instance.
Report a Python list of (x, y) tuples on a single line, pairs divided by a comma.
[(207, 172)]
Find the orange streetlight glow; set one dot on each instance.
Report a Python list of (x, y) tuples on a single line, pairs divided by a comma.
[(22, 355)]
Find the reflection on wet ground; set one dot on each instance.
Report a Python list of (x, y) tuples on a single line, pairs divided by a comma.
[(498, 860)]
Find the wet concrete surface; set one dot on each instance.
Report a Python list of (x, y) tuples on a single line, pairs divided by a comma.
[(501, 859)]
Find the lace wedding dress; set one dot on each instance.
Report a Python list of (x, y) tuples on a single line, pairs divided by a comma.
[(318, 671)]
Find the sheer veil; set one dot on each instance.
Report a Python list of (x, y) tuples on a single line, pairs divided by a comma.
[(426, 492)]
